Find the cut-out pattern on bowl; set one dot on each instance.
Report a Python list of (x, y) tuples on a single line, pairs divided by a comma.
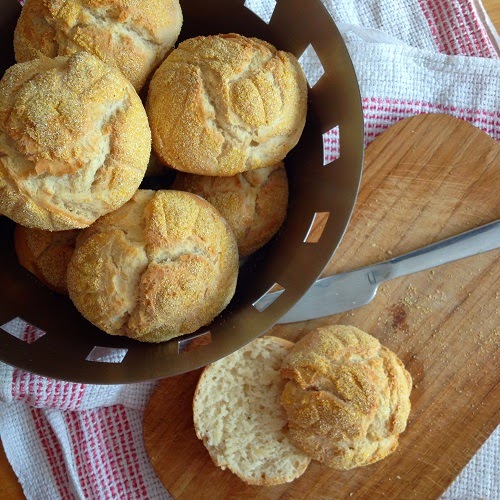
[(311, 65), (23, 330), (331, 145), (187, 345), (317, 227), (262, 8), (107, 354), (264, 301)]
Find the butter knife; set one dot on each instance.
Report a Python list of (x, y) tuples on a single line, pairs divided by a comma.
[(352, 289)]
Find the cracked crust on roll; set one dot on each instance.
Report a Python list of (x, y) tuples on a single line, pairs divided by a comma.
[(46, 254), (163, 265), (132, 35), (221, 105), (74, 142), (347, 397), (253, 203)]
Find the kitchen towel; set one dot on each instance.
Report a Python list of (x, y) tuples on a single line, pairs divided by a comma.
[(67, 440)]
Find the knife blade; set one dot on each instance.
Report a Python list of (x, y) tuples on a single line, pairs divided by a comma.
[(352, 289)]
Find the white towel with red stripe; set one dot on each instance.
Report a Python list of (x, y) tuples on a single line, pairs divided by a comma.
[(67, 440)]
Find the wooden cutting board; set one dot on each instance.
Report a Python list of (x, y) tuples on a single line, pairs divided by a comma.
[(426, 178)]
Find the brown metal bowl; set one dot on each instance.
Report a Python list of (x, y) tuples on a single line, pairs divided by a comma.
[(64, 352)]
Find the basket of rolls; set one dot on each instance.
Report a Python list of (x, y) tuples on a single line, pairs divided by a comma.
[(162, 167)]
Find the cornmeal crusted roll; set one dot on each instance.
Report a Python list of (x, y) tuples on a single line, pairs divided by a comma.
[(253, 203), (347, 397), (221, 105), (163, 265), (46, 254), (74, 142), (131, 35)]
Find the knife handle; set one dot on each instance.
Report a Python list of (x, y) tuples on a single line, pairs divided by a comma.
[(473, 242)]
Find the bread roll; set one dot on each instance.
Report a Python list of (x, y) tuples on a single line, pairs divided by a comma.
[(46, 254), (131, 35), (163, 265), (237, 414), (221, 105), (74, 142), (347, 397), (253, 203)]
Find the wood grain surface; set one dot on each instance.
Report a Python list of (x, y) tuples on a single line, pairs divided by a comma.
[(9, 486), (492, 7), (426, 178)]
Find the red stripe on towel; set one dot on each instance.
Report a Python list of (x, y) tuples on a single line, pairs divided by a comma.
[(457, 29), (53, 452), (106, 457)]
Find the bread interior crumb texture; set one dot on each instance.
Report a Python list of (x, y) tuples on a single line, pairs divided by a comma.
[(240, 419)]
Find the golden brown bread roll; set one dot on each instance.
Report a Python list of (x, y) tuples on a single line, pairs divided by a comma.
[(46, 254), (347, 397), (162, 265), (221, 105), (253, 203), (74, 142), (132, 35)]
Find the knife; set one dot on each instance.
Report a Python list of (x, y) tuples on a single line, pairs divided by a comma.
[(352, 289)]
